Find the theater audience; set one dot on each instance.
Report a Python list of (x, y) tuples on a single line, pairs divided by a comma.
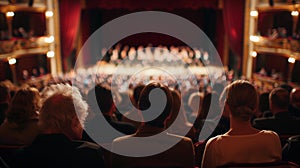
[(294, 107), (281, 122), (172, 157), (242, 143), (62, 118), (20, 126)]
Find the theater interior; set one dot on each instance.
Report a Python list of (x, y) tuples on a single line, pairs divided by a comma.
[(83, 42)]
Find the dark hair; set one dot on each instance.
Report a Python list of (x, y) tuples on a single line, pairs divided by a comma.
[(206, 105), (104, 97), (136, 93), (144, 103), (279, 98), (264, 102)]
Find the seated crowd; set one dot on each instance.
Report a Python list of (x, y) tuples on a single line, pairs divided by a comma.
[(61, 126)]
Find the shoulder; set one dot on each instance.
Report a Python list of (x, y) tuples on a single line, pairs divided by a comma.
[(84, 145), (215, 139), (183, 138), (268, 133), (121, 139)]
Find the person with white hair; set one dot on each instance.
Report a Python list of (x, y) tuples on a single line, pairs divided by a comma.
[(61, 122)]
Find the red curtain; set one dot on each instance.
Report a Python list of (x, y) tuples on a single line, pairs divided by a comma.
[(233, 15), (151, 4), (69, 24), (220, 34)]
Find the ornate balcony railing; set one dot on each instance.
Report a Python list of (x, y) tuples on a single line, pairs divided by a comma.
[(285, 46), (20, 46)]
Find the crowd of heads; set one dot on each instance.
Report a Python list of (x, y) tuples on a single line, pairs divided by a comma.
[(65, 109)]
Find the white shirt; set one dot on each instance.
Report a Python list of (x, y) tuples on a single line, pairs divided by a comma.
[(263, 146)]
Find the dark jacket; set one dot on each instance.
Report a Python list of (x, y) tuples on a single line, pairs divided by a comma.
[(56, 150), (282, 123)]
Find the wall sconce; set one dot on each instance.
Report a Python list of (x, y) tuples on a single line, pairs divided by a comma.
[(253, 54), (291, 60), (12, 61), (294, 13), (50, 54), (254, 38), (49, 39), (254, 13), (48, 14), (10, 14)]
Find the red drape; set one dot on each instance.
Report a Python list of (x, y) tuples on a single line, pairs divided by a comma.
[(151, 4), (233, 15), (220, 34), (69, 23)]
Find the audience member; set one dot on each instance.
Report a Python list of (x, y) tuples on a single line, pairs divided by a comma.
[(210, 114), (294, 107), (195, 104), (172, 157), (282, 122), (104, 105), (133, 116), (291, 150), (242, 143), (181, 126), (20, 126), (62, 118), (263, 105)]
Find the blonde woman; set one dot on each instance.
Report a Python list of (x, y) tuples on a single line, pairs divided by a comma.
[(242, 143)]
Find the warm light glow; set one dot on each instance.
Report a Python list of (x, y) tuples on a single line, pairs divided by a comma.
[(49, 13), (12, 61), (49, 39), (10, 14), (254, 13), (294, 13), (50, 54), (253, 53), (291, 60), (254, 38)]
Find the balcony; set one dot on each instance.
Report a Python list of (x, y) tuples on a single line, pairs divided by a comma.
[(16, 47)]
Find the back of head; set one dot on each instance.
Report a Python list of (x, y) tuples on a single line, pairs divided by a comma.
[(195, 101), (144, 103), (286, 87), (136, 93), (104, 98), (279, 99), (24, 106), (242, 99), (176, 104), (264, 102), (63, 111), (207, 107)]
